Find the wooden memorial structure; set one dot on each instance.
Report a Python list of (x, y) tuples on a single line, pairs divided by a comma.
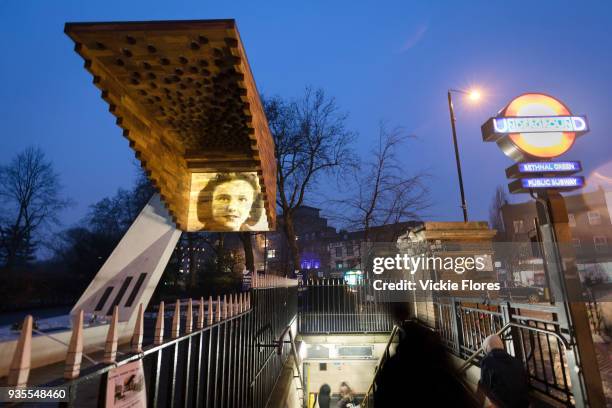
[(185, 97)]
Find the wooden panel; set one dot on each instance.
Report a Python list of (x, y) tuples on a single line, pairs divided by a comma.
[(184, 94)]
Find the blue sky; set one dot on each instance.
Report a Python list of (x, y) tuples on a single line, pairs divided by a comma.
[(385, 60)]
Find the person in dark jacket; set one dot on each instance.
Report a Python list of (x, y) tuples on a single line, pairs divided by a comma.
[(324, 396), (502, 378), (420, 374)]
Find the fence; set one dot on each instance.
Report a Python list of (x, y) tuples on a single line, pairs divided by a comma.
[(531, 333), (335, 306), (223, 362)]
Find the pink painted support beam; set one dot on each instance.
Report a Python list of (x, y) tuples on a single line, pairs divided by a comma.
[(200, 321), (158, 337), (112, 338), (224, 315), (75, 349), (176, 320), (20, 366), (230, 307), (218, 311), (136, 343), (210, 311), (189, 317)]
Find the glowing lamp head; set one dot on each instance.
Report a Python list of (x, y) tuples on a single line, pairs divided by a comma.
[(474, 95), (547, 145)]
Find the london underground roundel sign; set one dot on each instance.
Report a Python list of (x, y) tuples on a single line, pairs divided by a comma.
[(534, 126)]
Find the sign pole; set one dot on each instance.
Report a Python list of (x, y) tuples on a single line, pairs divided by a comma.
[(457, 160), (566, 290), (536, 126)]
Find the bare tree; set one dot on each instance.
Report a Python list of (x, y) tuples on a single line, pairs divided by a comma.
[(382, 191), (500, 198), (113, 215), (311, 139), (30, 201)]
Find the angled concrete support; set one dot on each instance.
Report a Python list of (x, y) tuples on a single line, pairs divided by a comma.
[(131, 273)]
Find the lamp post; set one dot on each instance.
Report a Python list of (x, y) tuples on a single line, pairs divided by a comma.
[(474, 96)]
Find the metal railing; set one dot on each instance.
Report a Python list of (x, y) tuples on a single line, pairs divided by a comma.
[(367, 399), (335, 306), (276, 309), (543, 360), (532, 334), (219, 364)]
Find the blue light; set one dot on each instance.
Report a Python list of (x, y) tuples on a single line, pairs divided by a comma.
[(310, 264), (550, 167), (552, 182)]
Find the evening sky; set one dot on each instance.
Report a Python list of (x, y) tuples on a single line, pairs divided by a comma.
[(385, 60)]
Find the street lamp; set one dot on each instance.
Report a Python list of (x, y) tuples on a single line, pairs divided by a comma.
[(473, 95)]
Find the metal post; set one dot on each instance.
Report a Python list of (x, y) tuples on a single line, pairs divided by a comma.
[(566, 290), (456, 325), (458, 161)]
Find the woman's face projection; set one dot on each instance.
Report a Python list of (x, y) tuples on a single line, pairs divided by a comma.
[(231, 204), (225, 202)]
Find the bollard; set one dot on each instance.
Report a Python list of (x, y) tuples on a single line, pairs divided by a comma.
[(75, 349), (110, 347), (136, 343), (20, 366), (158, 337)]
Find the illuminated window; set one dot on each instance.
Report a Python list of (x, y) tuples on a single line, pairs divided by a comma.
[(338, 265), (316, 264), (518, 226), (601, 243), (271, 253), (571, 220), (338, 251), (594, 218)]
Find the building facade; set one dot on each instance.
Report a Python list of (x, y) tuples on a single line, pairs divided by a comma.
[(590, 223)]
